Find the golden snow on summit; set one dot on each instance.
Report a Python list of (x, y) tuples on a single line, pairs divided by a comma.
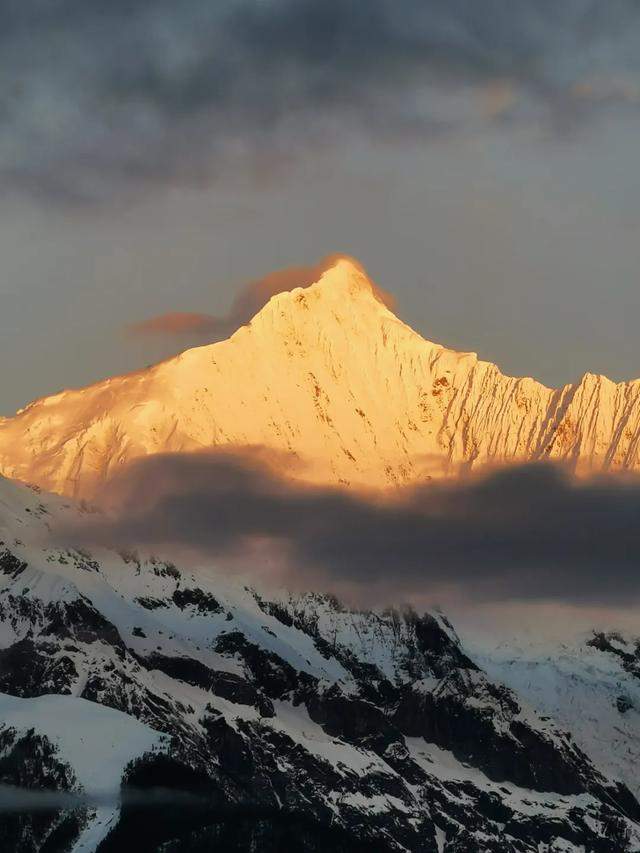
[(327, 373)]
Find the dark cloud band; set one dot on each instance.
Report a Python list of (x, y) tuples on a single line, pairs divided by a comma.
[(529, 533), (98, 96)]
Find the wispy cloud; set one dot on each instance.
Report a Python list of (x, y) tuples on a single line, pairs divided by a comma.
[(178, 323), (249, 300), (529, 533), (98, 96)]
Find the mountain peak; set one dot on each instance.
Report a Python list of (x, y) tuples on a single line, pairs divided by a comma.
[(342, 297), (349, 276), (325, 372), (344, 270)]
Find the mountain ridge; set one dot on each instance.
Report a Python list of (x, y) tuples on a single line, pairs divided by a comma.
[(328, 374)]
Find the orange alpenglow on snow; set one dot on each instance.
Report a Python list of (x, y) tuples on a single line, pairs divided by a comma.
[(327, 373)]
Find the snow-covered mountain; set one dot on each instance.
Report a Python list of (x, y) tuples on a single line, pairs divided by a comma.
[(271, 717), (591, 686), (330, 374)]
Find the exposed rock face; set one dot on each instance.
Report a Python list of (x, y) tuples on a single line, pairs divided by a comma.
[(330, 374), (272, 715)]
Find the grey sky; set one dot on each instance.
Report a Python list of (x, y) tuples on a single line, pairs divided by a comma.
[(482, 166)]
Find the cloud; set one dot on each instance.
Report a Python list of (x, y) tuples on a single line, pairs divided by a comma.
[(132, 93), (249, 300), (530, 533), (14, 799), (177, 323)]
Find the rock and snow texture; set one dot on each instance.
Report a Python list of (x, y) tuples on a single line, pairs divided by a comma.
[(95, 742), (590, 687), (330, 374), (353, 727)]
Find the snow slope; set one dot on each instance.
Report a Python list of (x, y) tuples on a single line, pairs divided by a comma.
[(96, 742), (330, 374), (586, 689)]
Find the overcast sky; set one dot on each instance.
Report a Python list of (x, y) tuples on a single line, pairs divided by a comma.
[(479, 159)]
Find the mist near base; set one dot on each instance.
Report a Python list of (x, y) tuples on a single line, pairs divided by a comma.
[(18, 800)]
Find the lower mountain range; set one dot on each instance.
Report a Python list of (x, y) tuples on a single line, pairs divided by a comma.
[(147, 706)]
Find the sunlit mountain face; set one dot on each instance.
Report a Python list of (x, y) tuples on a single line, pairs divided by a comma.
[(327, 375), (277, 571)]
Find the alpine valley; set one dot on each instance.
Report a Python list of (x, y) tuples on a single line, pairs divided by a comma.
[(149, 705)]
